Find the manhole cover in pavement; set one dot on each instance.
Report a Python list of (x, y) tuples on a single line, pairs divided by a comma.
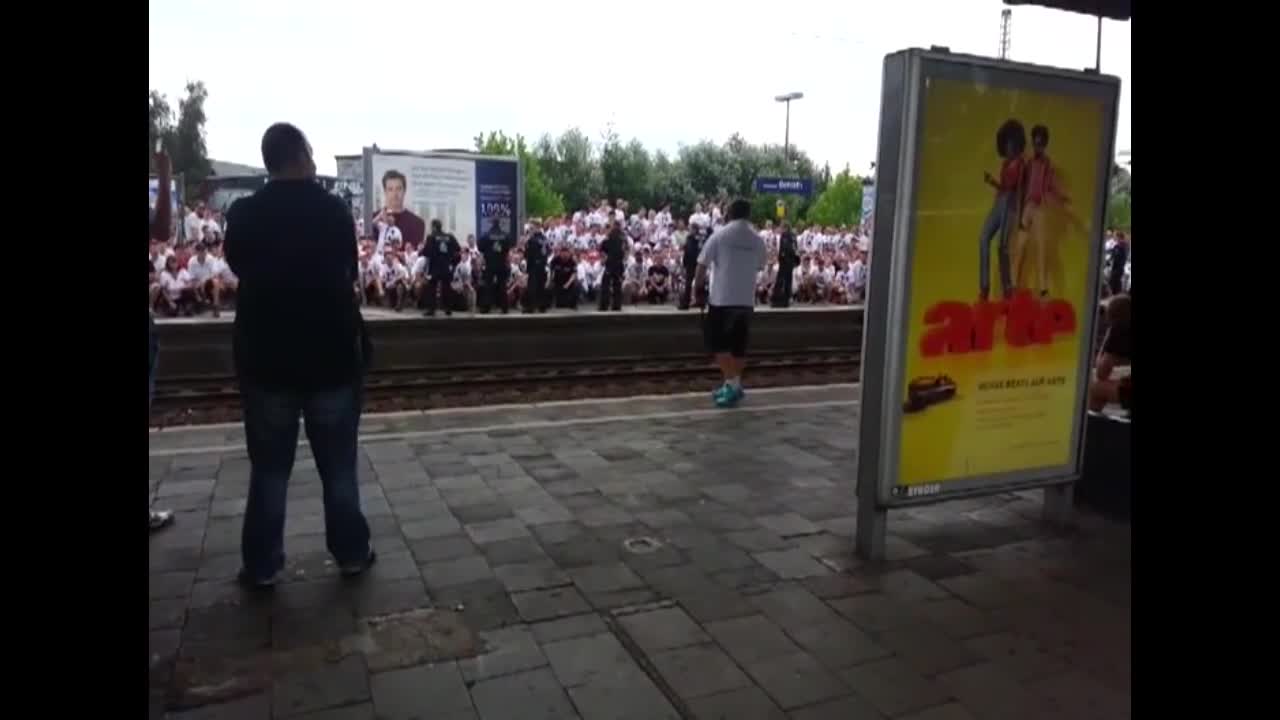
[(641, 545)]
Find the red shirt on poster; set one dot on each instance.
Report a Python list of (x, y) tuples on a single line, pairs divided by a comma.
[(1010, 174)]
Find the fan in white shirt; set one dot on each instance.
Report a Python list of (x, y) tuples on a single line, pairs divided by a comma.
[(203, 270), (395, 281), (176, 292), (193, 225), (375, 269)]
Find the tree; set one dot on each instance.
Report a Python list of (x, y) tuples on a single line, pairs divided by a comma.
[(627, 171), (570, 165), (184, 139), (1119, 200), (840, 203), (539, 199)]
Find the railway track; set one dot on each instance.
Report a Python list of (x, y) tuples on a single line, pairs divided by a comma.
[(208, 399)]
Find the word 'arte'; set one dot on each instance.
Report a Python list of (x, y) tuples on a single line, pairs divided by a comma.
[(958, 327)]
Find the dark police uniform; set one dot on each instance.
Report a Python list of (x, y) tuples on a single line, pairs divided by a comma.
[(692, 247), (615, 250), (788, 260), (535, 255), (494, 246), (562, 271), (443, 255)]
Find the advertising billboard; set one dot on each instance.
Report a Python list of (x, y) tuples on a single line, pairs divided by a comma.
[(992, 180), (466, 193)]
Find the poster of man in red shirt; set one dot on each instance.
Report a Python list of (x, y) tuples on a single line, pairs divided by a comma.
[(1011, 141), (413, 229)]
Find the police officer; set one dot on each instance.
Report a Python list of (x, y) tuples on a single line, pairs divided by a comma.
[(692, 247), (443, 254), (535, 257), (788, 261), (494, 246), (615, 252)]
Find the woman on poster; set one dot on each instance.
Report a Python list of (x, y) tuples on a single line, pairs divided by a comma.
[(1011, 141)]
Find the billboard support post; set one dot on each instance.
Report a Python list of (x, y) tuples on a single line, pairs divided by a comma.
[(991, 188)]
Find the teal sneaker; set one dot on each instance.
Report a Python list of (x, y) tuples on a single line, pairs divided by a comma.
[(729, 398)]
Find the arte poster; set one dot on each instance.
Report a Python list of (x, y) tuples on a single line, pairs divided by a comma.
[(1005, 200)]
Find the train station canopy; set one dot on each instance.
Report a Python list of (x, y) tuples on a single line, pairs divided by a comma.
[(1110, 9)]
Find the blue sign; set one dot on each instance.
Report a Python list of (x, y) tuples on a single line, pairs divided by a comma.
[(784, 186), (497, 187)]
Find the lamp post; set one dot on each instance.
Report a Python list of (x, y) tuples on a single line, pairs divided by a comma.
[(786, 138)]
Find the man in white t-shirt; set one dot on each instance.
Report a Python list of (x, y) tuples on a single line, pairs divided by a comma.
[(734, 255), (193, 225), (203, 270)]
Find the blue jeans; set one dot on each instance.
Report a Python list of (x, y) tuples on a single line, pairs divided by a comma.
[(997, 222), (271, 432)]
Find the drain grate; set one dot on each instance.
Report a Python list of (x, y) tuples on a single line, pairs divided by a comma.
[(641, 545)]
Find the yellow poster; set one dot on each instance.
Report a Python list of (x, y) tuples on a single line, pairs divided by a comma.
[(1005, 196)]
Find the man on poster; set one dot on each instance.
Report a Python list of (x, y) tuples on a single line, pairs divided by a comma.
[(412, 228)]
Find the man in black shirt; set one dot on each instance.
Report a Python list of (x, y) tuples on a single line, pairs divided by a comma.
[(535, 258), (615, 251), (692, 247), (788, 260), (658, 284), (300, 349), (564, 279), (1119, 255), (494, 246), (443, 254)]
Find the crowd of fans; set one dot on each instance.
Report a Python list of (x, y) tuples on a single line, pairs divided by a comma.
[(190, 275)]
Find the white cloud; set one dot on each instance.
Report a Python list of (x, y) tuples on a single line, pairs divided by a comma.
[(408, 74)]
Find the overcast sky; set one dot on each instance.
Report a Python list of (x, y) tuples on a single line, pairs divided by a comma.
[(419, 75)]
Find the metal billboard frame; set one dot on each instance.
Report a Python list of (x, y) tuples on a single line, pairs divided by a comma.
[(884, 341)]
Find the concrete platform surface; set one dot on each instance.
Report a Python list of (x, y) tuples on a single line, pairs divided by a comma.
[(374, 314), (650, 558)]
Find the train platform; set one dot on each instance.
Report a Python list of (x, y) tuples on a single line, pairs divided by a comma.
[(377, 314), (639, 558)]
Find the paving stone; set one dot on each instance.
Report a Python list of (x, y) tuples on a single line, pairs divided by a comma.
[(957, 619), (533, 695), (745, 704), (796, 680), (663, 629), (256, 707), (698, 671), (423, 692), (311, 626), (621, 599), (981, 590), (751, 639), (833, 587), (756, 540), (584, 660), (168, 613), (495, 530), (927, 650), (849, 707), (543, 515), (506, 651), (746, 579), (331, 685), (987, 692), (458, 571), (791, 564), (876, 612), (514, 551), (481, 512), (625, 693), (440, 526), (909, 586), (447, 547), (788, 524), (175, 584), (950, 711), (538, 605), (604, 578), (555, 533), (792, 607), (938, 567), (568, 628), (537, 575), (1079, 695), (602, 515), (837, 644), (1021, 657), (485, 604), (394, 596), (659, 519)]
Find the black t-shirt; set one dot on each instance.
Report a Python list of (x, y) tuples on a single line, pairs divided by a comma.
[(297, 325), (659, 274), (562, 269)]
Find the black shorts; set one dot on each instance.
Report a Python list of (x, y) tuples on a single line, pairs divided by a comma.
[(726, 329)]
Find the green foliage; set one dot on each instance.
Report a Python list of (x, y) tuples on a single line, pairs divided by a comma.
[(539, 199), (570, 165), (1120, 201), (182, 138), (840, 203)]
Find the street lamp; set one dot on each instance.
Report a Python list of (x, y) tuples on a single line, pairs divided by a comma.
[(786, 139)]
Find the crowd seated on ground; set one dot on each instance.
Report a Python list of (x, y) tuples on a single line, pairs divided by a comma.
[(189, 275)]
